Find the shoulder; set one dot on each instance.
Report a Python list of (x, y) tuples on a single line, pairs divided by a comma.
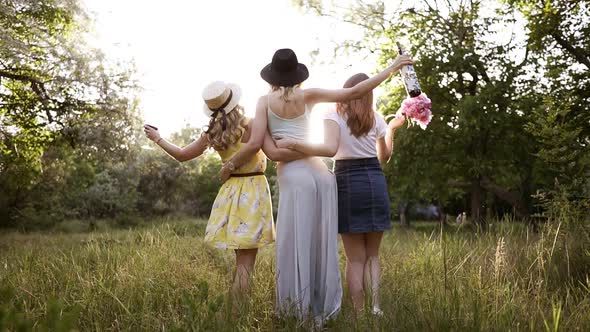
[(331, 114), (262, 100), (380, 125), (262, 104), (204, 139), (379, 119)]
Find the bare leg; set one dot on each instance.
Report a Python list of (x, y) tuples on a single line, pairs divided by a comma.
[(245, 259), (373, 268), (354, 246)]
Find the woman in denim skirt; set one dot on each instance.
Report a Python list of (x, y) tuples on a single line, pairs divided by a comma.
[(362, 141)]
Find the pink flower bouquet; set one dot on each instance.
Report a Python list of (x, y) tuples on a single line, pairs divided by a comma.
[(417, 110)]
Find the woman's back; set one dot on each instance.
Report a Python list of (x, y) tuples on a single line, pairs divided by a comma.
[(256, 164), (351, 146), (288, 119), (308, 278)]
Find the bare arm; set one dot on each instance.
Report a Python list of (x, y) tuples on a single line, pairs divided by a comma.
[(385, 144), (326, 149), (385, 148), (254, 144), (314, 96), (186, 153), (256, 136), (277, 154)]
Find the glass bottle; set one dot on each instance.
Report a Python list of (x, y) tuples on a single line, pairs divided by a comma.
[(409, 76)]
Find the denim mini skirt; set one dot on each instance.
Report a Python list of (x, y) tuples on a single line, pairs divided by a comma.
[(363, 199)]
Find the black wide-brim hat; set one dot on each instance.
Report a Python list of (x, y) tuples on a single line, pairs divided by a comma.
[(284, 70)]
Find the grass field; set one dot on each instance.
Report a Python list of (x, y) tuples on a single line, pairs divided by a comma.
[(161, 277)]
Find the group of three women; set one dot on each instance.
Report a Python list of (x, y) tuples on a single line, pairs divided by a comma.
[(314, 205)]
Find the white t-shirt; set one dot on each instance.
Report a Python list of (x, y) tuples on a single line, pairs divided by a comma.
[(352, 147)]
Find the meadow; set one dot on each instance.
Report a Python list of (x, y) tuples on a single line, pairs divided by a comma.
[(161, 277)]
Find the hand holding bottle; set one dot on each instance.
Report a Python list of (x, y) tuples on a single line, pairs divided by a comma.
[(151, 133), (409, 76), (401, 61)]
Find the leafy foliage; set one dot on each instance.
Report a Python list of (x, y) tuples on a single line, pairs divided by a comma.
[(55, 91), (510, 110), (559, 35)]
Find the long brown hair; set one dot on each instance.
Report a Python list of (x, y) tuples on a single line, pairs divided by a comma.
[(221, 139), (359, 112)]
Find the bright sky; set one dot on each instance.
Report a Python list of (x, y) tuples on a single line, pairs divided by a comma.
[(179, 46)]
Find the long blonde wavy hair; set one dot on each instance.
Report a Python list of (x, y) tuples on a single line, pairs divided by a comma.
[(286, 91), (220, 139)]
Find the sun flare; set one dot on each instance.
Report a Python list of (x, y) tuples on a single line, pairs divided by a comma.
[(188, 48)]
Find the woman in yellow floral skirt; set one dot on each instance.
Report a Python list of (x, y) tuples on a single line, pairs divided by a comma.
[(241, 217)]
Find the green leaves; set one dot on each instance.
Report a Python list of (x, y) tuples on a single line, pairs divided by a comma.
[(558, 34), (55, 88), (483, 77)]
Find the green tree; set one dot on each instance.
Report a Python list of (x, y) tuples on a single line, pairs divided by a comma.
[(559, 38), (54, 88), (169, 187), (476, 143)]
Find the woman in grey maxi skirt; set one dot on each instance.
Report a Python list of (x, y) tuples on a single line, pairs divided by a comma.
[(308, 275)]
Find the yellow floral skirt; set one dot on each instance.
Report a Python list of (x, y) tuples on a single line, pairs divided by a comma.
[(241, 217)]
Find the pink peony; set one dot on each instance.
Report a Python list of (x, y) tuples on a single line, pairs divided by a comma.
[(417, 110)]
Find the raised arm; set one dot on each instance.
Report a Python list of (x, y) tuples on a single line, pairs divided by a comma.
[(254, 143), (326, 149), (314, 96), (186, 153), (277, 154)]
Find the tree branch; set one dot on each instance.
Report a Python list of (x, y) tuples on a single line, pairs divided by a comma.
[(525, 60), (18, 77), (576, 52), (458, 184)]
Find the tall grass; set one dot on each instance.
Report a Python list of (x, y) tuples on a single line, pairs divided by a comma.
[(162, 277)]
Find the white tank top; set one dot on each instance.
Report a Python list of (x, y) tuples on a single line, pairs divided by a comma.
[(296, 128)]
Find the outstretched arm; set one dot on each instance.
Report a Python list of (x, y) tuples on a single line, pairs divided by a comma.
[(326, 149), (277, 154), (314, 96), (186, 153)]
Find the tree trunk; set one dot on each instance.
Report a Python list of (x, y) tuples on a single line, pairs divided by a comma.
[(476, 193), (489, 206), (403, 219), (515, 199), (442, 216)]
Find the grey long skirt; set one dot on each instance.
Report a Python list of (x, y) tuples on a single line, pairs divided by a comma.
[(308, 275)]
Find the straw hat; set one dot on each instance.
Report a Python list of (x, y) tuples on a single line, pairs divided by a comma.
[(219, 96), (285, 69)]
